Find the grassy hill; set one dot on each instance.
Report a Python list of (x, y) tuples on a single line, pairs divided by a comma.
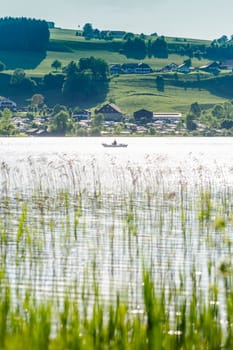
[(130, 92)]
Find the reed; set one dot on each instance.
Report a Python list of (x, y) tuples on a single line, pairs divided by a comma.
[(143, 261)]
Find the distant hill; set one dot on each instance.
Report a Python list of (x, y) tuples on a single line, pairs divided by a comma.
[(133, 91)]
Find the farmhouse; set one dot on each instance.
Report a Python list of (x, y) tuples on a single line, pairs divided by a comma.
[(143, 116), (83, 114), (210, 67), (7, 103), (136, 68), (119, 34), (115, 68), (116, 34), (111, 112), (184, 68), (171, 67)]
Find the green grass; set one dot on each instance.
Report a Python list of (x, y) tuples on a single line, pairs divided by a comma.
[(71, 47), (135, 92), (129, 92)]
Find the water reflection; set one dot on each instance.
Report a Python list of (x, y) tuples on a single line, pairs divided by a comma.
[(73, 213)]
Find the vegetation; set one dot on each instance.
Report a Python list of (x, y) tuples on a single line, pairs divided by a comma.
[(85, 80), (88, 268), (23, 34), (24, 75)]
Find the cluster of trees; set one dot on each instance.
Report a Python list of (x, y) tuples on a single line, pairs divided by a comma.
[(218, 49), (138, 47), (132, 45), (23, 34), (86, 79), (220, 116), (20, 80), (94, 33)]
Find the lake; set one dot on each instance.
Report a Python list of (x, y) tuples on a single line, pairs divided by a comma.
[(74, 213)]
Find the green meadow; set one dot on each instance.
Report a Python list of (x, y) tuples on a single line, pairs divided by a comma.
[(132, 93), (129, 92)]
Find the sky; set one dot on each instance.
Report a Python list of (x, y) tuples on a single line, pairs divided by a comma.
[(200, 19)]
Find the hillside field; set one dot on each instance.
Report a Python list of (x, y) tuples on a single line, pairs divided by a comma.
[(130, 92)]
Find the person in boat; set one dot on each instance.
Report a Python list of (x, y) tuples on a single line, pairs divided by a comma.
[(114, 143)]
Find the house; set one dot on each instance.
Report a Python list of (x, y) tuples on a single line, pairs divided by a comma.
[(143, 68), (129, 68), (143, 116), (210, 67), (115, 68), (113, 34), (7, 103), (111, 112), (171, 67), (228, 64), (167, 117), (184, 68), (118, 34), (136, 68), (83, 114)]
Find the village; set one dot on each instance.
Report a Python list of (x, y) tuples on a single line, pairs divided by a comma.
[(109, 118)]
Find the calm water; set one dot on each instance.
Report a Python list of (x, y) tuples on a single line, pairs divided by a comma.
[(98, 213), (193, 157)]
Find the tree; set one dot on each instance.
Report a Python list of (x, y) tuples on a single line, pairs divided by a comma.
[(37, 100), (159, 48), (195, 109), (190, 122), (88, 31), (223, 39), (56, 64), (98, 119), (60, 122), (128, 36), (58, 108), (23, 34), (98, 66), (227, 124), (19, 80), (53, 81), (218, 111), (86, 79), (135, 48), (160, 83), (17, 77), (7, 128), (71, 68)]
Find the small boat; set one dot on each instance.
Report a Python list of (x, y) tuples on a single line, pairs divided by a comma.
[(114, 144)]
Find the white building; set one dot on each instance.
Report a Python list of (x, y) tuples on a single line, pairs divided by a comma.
[(167, 117)]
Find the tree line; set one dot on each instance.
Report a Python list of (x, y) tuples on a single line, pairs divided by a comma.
[(23, 34), (140, 46), (82, 80)]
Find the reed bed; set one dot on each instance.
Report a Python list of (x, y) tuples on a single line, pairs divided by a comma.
[(109, 255)]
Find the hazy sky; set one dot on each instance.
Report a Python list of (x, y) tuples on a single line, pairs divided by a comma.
[(204, 19)]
